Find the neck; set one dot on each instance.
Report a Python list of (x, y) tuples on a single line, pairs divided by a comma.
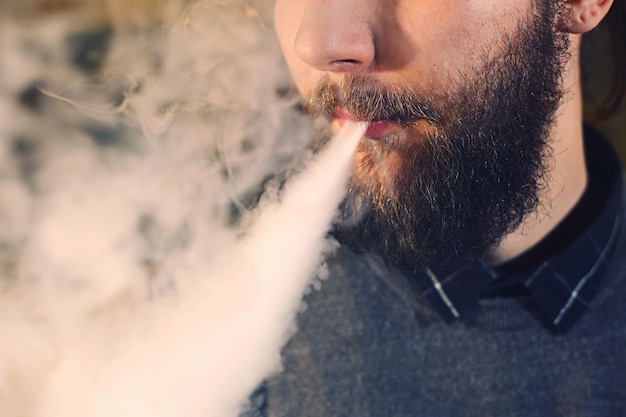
[(567, 174)]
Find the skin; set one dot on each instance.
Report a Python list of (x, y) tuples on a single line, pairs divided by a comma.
[(427, 44)]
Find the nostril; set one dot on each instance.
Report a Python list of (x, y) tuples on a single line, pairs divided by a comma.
[(345, 65), (345, 61)]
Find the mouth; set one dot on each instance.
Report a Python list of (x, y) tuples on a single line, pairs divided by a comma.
[(377, 129)]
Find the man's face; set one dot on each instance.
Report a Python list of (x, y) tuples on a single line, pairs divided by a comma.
[(461, 95)]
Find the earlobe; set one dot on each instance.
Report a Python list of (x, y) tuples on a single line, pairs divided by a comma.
[(585, 15)]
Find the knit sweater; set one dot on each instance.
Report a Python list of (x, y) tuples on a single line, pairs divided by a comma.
[(367, 346), (363, 351)]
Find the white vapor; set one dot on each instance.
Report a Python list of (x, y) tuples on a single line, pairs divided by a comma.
[(222, 334), (125, 288)]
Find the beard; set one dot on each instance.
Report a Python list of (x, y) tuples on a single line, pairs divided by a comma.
[(477, 164)]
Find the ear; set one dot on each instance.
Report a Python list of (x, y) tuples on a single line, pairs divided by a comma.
[(585, 15)]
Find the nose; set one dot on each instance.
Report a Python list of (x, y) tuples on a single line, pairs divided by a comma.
[(336, 35)]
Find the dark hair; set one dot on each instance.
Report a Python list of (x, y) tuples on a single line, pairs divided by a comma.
[(607, 43)]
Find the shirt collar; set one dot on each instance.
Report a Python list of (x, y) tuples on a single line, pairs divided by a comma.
[(564, 282)]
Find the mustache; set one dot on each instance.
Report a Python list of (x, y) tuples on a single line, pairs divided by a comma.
[(368, 99)]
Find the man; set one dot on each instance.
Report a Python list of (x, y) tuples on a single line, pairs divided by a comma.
[(483, 245)]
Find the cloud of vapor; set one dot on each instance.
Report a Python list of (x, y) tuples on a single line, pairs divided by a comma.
[(127, 287)]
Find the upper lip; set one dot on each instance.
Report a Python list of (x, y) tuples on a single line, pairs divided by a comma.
[(344, 114), (377, 128)]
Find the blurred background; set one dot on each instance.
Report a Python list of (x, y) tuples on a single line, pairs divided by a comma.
[(138, 13), (94, 19)]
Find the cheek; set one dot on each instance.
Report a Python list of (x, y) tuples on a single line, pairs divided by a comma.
[(287, 18), (449, 39), (285, 24)]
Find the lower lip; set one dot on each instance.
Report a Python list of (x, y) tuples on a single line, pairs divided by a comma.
[(376, 129)]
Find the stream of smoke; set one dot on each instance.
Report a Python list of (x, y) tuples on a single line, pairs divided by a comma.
[(203, 354), (126, 287)]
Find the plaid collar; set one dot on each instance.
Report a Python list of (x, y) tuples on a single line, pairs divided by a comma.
[(563, 273)]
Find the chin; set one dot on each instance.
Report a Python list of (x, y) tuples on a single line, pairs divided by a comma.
[(377, 168)]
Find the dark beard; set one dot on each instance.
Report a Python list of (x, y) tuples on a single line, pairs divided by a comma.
[(474, 176)]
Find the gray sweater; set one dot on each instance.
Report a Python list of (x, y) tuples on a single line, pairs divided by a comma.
[(362, 351)]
